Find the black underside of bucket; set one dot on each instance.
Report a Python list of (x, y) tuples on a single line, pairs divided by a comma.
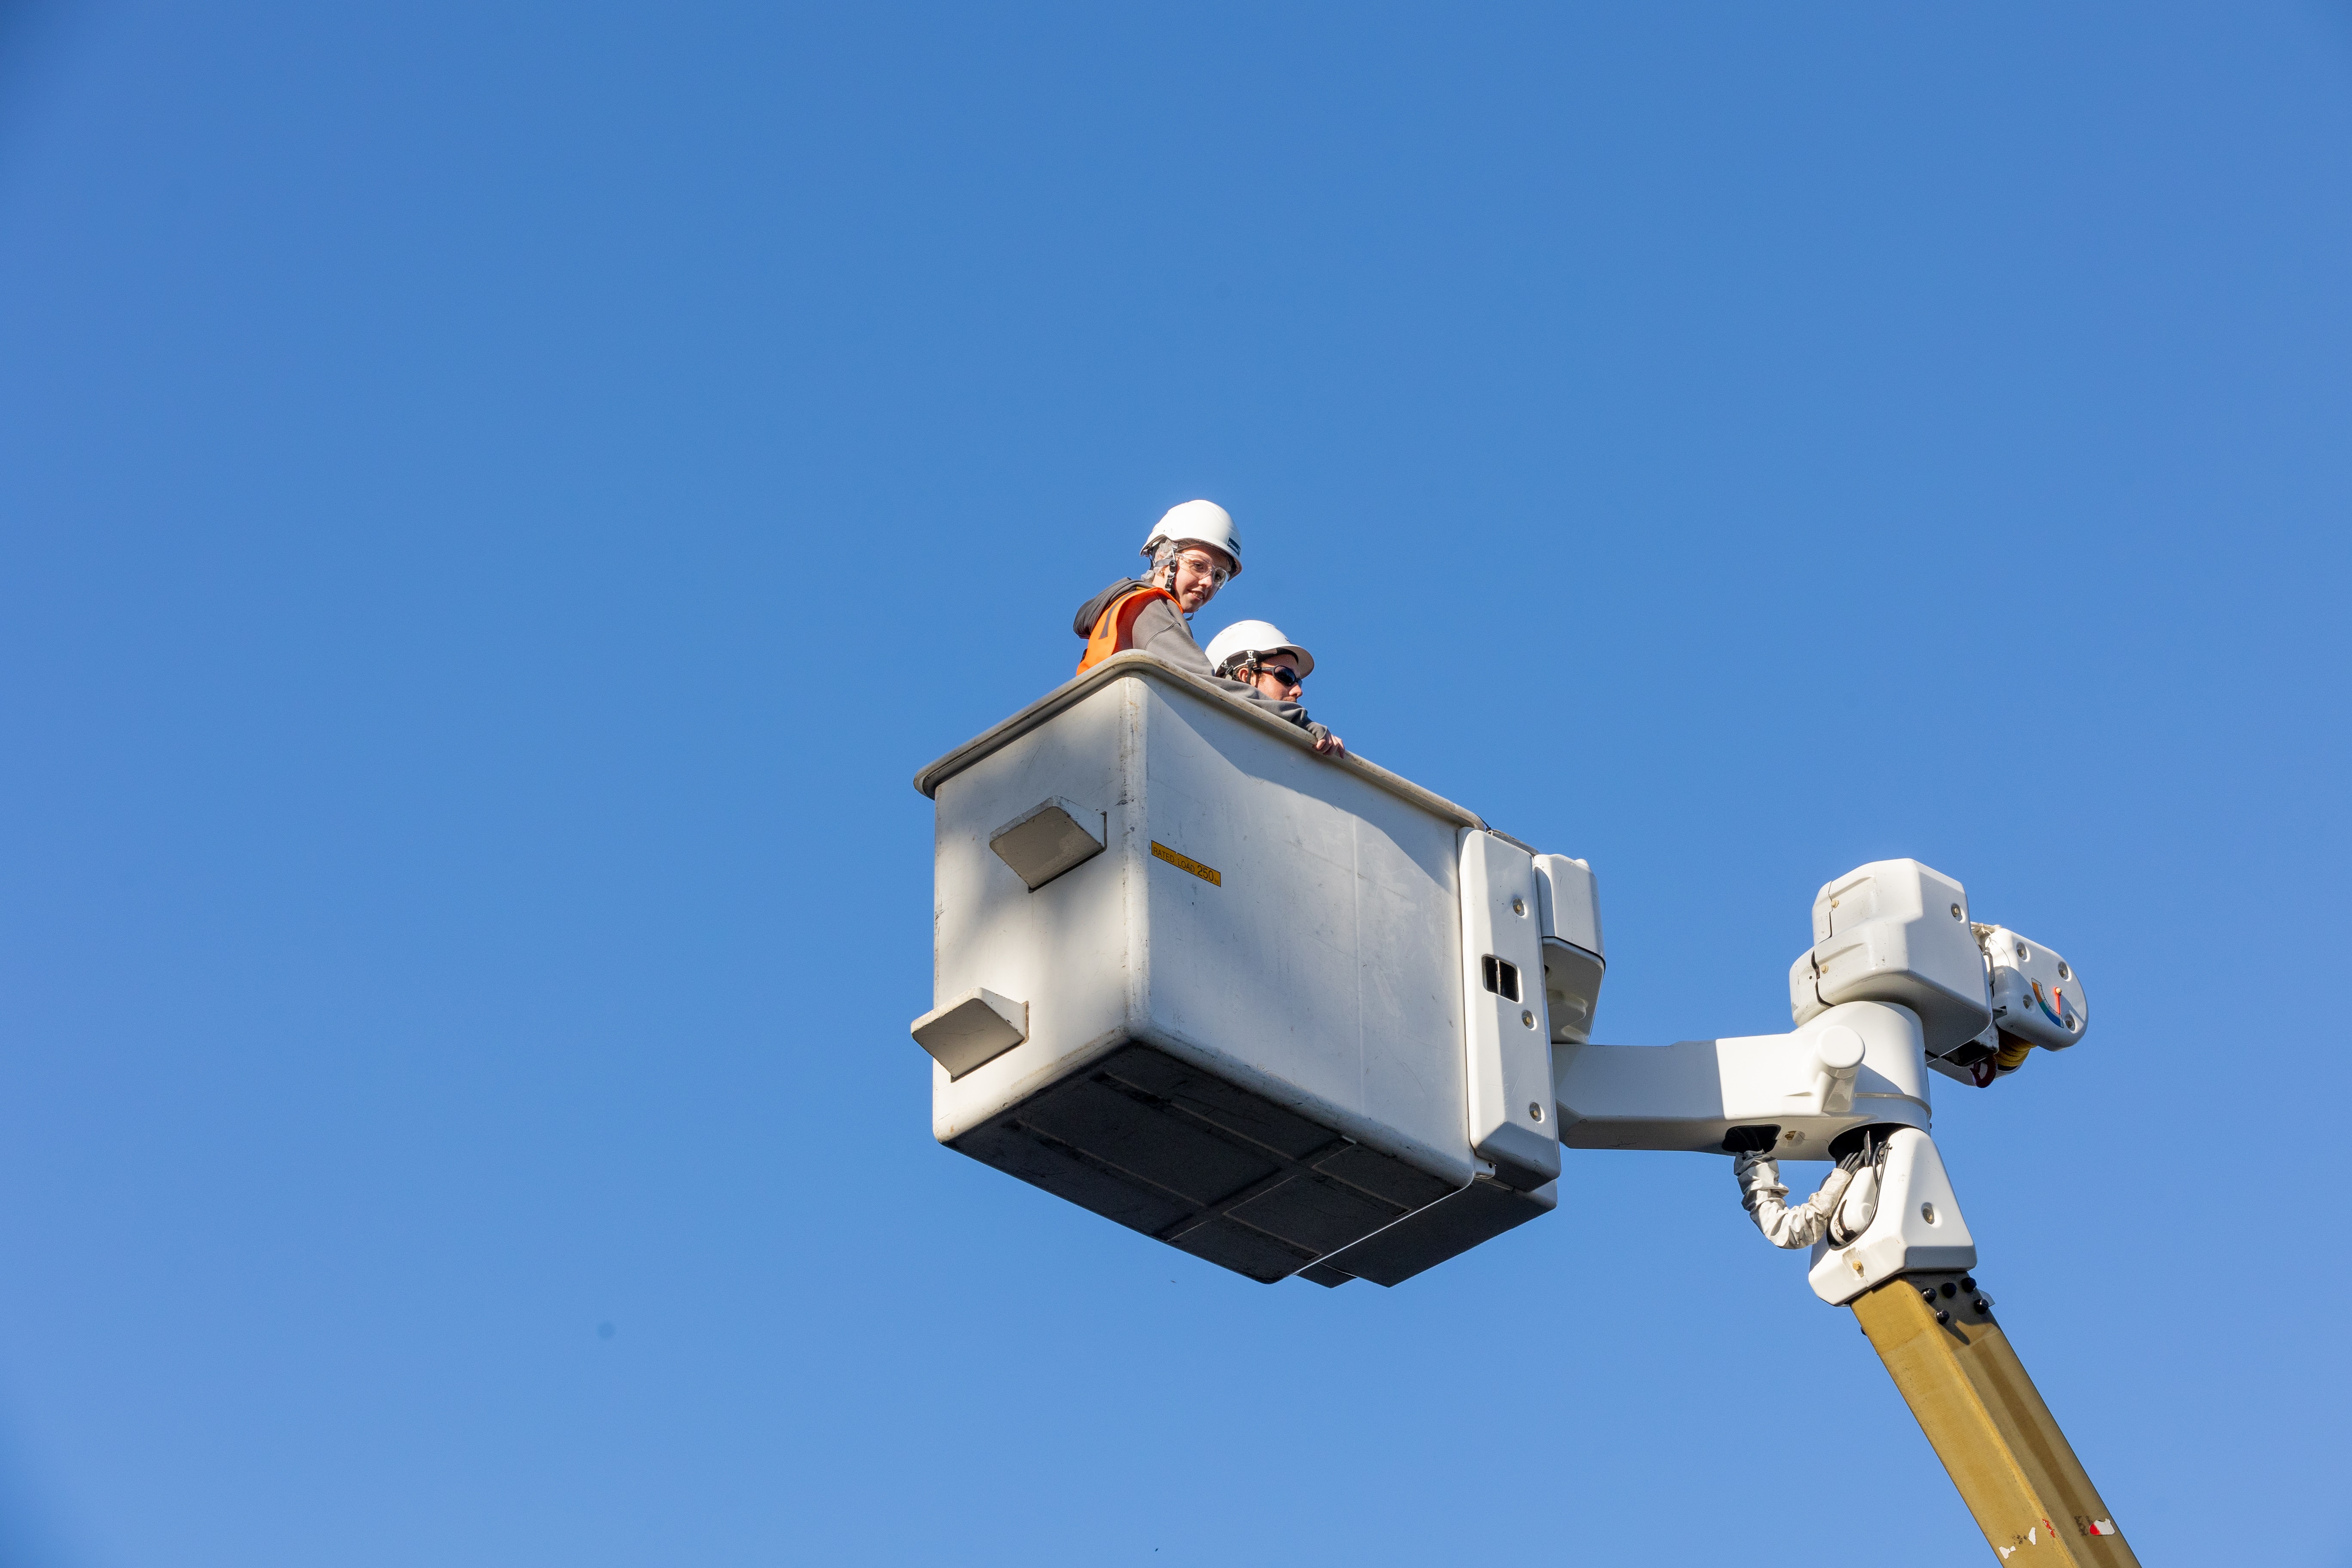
[(1202, 1163)]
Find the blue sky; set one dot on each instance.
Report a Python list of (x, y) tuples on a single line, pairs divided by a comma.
[(496, 503)]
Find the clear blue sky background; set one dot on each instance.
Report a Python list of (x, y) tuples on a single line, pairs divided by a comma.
[(496, 503)]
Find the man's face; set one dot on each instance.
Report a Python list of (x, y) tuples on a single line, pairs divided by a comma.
[(1200, 571), (1278, 677)]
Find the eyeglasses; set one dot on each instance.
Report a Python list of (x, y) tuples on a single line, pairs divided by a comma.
[(1202, 566), (1281, 672)]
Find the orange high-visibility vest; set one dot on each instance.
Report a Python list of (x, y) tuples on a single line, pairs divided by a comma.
[(1115, 628)]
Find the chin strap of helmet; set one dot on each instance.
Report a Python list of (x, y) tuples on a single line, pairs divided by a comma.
[(1162, 573), (1242, 666)]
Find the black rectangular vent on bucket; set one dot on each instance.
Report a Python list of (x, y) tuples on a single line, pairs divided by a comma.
[(1199, 1164), (1502, 978)]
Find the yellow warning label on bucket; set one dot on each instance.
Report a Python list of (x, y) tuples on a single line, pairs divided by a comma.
[(1186, 863)]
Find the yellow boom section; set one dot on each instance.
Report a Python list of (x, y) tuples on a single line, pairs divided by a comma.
[(2014, 1468)]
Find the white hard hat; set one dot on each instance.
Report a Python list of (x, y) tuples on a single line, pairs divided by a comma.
[(1262, 638), (1200, 522)]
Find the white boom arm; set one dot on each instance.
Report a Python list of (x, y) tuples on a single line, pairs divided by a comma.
[(1859, 1064)]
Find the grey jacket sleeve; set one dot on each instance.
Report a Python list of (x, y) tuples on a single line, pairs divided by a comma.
[(1160, 632)]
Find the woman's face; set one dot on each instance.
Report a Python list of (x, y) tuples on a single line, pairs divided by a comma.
[(1201, 570)]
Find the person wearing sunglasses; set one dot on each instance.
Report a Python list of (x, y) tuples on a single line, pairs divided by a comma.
[(1257, 655)]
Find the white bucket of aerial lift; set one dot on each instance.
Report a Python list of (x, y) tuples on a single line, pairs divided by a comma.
[(1894, 931), (2036, 994), (1247, 1022), (1918, 1227)]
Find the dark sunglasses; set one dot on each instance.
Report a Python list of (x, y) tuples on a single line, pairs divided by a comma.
[(1282, 672)]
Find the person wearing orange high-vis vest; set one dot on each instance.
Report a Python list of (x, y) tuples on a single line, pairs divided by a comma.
[(1194, 550)]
